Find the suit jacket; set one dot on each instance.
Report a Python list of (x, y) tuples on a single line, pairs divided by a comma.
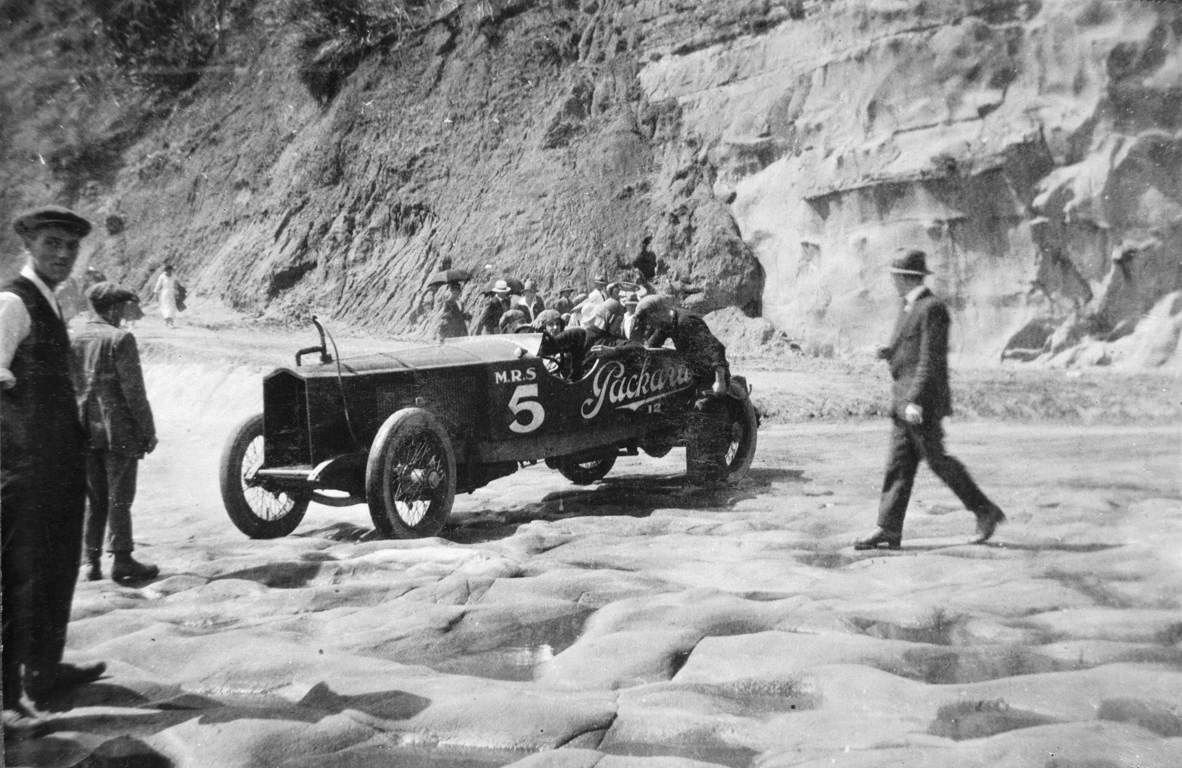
[(918, 358), (112, 402)]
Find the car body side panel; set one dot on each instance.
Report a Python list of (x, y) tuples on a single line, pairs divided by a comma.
[(495, 398)]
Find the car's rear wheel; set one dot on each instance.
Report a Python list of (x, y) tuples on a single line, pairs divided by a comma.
[(258, 510), (410, 477), (744, 434), (587, 472)]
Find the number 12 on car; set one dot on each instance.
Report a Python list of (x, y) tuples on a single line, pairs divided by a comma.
[(528, 413)]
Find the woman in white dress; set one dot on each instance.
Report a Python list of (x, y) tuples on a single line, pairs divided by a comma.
[(166, 294)]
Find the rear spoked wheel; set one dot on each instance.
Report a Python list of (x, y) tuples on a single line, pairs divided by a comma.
[(587, 472)]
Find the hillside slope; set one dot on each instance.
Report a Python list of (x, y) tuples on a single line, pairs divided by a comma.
[(777, 152)]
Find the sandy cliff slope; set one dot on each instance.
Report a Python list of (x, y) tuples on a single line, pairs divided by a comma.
[(776, 152)]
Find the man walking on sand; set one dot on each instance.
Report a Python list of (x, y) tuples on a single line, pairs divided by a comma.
[(920, 399), (42, 472), (114, 410)]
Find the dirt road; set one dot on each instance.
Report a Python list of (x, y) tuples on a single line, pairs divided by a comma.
[(636, 623)]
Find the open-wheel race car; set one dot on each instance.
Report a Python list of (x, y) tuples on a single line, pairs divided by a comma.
[(405, 432)]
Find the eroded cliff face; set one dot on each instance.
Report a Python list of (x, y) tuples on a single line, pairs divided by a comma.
[(1031, 148), (777, 152)]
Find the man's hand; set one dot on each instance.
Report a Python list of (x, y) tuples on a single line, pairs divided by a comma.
[(883, 353), (151, 445), (913, 414)]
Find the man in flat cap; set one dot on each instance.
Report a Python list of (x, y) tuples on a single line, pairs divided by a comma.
[(114, 411), (42, 470), (920, 399)]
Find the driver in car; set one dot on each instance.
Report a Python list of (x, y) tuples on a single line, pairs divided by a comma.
[(705, 356), (600, 333)]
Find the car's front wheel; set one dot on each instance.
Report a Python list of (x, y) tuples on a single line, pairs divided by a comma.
[(258, 510), (410, 477)]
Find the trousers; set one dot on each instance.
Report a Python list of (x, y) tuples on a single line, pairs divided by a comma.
[(909, 444), (41, 512), (110, 486)]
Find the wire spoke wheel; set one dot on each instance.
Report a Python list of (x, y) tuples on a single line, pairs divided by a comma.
[(257, 509), (411, 475), (418, 475), (744, 434), (267, 504), (587, 472)]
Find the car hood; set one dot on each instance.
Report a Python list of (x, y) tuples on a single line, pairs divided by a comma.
[(469, 350)]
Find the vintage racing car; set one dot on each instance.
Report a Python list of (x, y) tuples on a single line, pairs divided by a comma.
[(405, 432)]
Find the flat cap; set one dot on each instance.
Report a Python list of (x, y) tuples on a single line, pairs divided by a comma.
[(28, 222), (910, 261), (106, 294), (650, 304)]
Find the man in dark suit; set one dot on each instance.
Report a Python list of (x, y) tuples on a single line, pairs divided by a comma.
[(42, 471), (920, 399), (114, 410)]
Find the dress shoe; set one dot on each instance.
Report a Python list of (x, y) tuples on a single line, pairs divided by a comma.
[(127, 568), (880, 538), (44, 684), (21, 723), (987, 522), (94, 570)]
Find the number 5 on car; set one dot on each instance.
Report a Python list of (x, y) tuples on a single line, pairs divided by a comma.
[(524, 401)]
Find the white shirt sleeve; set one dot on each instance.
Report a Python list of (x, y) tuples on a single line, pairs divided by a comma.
[(15, 325)]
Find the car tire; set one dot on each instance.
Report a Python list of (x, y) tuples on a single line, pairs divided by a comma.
[(586, 472), (257, 511), (410, 476), (744, 426)]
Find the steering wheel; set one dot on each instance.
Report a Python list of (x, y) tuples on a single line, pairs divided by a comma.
[(559, 360)]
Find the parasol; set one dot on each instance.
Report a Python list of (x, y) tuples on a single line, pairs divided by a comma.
[(445, 276)]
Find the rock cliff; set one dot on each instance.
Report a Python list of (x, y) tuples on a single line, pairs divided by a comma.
[(776, 152)]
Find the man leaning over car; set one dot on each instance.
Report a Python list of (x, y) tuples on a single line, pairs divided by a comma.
[(705, 356)]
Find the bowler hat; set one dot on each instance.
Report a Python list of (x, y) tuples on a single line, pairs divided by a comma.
[(105, 295), (28, 222), (910, 261)]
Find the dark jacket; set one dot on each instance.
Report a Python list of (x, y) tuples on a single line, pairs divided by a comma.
[(701, 350), (452, 321), (112, 401), (918, 358), (489, 321), (38, 419)]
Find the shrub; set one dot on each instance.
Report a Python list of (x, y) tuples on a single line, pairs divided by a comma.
[(335, 35), (163, 44)]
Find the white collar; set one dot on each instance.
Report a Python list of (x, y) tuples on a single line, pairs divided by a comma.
[(913, 295), (28, 271)]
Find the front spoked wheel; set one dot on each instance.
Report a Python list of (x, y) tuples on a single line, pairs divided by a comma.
[(410, 477), (258, 510)]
